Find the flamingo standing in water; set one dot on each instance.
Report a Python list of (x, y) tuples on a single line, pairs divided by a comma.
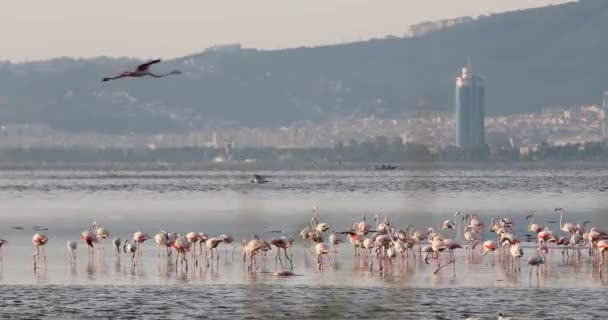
[(228, 240), (72, 245), (39, 240), (162, 239), (282, 243), (131, 249), (116, 243), (2, 243), (101, 233), (321, 249), (182, 245), (138, 239), (141, 71), (212, 244), (536, 261), (602, 246), (89, 237)]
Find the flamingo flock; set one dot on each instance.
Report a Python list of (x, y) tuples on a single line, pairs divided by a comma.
[(380, 246)]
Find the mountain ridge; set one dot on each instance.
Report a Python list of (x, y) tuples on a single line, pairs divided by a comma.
[(530, 58)]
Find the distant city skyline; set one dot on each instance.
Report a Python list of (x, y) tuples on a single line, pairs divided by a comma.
[(35, 30)]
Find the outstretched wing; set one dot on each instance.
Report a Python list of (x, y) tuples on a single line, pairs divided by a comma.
[(257, 177), (143, 67)]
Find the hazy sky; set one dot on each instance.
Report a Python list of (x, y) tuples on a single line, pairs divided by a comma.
[(37, 29)]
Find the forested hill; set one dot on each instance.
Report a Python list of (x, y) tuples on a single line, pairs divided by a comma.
[(531, 58)]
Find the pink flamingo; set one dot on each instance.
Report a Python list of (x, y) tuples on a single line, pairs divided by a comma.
[(139, 238), (282, 243), (602, 246), (89, 237), (228, 240), (212, 244), (321, 249), (39, 240), (162, 240), (142, 71), (181, 245)]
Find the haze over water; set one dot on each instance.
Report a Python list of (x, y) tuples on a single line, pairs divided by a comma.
[(215, 202)]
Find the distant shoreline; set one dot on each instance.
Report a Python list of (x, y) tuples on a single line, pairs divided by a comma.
[(112, 167)]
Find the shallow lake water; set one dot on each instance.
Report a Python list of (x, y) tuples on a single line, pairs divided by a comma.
[(66, 202)]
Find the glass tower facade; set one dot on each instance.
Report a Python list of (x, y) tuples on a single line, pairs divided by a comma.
[(470, 110)]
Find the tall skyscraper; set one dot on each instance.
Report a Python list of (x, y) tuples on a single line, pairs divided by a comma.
[(470, 109), (605, 105)]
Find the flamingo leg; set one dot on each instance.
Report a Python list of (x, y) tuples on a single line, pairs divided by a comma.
[(290, 261)]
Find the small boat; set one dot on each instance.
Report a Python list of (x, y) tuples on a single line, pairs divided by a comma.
[(384, 167)]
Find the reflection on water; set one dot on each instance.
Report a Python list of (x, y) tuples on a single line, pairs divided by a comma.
[(217, 202)]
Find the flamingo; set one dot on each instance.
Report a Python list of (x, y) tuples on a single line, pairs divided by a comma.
[(116, 242), (131, 249), (228, 240), (250, 249), (602, 246), (212, 244), (89, 237), (181, 245), (536, 261), (101, 233), (450, 224), (516, 252), (489, 246), (39, 240), (193, 238), (361, 228), (2, 243), (282, 243), (314, 222), (72, 245), (142, 71), (321, 249), (565, 227), (334, 239), (162, 240), (138, 239)]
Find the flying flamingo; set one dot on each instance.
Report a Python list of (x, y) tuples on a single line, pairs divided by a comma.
[(142, 71), (72, 245), (39, 240)]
